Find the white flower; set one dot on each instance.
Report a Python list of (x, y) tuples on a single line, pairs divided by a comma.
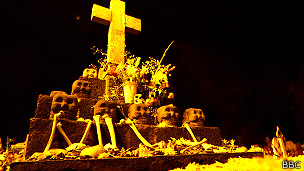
[(131, 70), (160, 77)]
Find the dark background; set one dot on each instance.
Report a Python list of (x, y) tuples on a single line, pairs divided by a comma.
[(239, 61)]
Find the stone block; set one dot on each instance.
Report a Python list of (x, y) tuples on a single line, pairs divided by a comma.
[(115, 89), (43, 109), (86, 109), (98, 87), (40, 131), (44, 102)]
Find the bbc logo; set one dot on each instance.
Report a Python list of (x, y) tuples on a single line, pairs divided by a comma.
[(291, 165)]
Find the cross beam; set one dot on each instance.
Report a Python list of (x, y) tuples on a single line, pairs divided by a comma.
[(118, 23)]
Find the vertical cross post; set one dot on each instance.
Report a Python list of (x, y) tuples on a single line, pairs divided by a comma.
[(118, 23)]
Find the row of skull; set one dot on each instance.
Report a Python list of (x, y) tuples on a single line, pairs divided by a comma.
[(139, 113)]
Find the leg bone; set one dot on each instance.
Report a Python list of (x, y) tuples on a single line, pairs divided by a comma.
[(66, 138), (135, 130), (109, 123), (52, 133), (97, 122), (85, 134), (190, 131)]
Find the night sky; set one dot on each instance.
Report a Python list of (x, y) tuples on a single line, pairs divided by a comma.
[(234, 59)]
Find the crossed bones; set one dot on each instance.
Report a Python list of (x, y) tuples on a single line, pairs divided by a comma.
[(96, 118), (108, 121)]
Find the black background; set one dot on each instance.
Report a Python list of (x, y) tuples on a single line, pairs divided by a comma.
[(234, 59)]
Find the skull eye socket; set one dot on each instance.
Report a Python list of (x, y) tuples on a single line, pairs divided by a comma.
[(167, 109), (113, 106), (102, 105), (138, 108), (69, 101), (85, 84), (79, 83), (145, 108), (200, 112), (58, 99), (194, 112)]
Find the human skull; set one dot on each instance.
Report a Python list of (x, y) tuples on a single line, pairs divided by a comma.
[(66, 104), (106, 107), (138, 99), (81, 88), (194, 117), (169, 115), (140, 114), (90, 73)]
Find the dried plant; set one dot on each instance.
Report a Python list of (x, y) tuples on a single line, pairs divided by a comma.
[(151, 75)]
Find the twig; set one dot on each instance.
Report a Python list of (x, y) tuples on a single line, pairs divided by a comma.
[(165, 52)]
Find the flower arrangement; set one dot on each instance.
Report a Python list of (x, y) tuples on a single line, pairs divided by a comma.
[(149, 77), (128, 71)]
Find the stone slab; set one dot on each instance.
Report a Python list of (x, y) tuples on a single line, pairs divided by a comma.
[(43, 109), (128, 164), (98, 87), (44, 102), (40, 130), (86, 109)]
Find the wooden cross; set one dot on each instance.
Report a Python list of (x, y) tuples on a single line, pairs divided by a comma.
[(119, 22)]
